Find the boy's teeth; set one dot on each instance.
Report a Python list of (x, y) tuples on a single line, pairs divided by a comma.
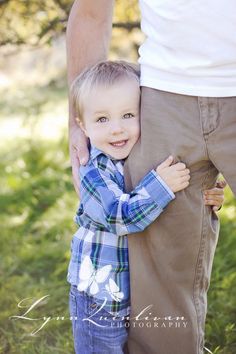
[(119, 143)]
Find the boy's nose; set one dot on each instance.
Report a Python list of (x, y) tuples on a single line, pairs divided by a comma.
[(117, 128)]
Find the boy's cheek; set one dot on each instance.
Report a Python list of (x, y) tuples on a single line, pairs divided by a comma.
[(137, 131)]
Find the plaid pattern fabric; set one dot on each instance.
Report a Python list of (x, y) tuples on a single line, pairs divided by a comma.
[(99, 261)]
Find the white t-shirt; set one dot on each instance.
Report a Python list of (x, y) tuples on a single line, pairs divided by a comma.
[(190, 46)]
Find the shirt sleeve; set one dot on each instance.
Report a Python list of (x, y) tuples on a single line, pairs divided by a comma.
[(106, 205)]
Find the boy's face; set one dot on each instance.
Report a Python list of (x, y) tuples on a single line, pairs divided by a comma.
[(111, 117)]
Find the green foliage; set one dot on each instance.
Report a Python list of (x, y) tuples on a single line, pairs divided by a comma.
[(38, 22), (221, 319), (36, 215), (126, 11), (36, 210), (32, 21)]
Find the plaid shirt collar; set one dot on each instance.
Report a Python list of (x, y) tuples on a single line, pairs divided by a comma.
[(95, 152)]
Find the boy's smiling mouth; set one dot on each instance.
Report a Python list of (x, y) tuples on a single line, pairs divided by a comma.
[(119, 143)]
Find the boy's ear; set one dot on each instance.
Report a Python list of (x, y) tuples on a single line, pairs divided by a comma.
[(81, 125)]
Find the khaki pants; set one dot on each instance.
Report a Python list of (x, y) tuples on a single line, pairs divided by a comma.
[(171, 261)]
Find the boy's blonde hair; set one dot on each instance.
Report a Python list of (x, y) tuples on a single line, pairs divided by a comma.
[(104, 73)]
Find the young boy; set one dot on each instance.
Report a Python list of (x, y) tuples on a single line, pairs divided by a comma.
[(106, 100)]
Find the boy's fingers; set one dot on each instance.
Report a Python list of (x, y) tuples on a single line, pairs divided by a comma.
[(167, 162), (184, 184), (179, 166), (184, 172), (185, 178)]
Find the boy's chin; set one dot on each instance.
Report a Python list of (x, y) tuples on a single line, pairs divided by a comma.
[(119, 155)]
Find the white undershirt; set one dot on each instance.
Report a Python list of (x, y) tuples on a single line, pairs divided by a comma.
[(190, 46)]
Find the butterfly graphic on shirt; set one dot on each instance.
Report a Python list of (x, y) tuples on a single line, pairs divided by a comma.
[(90, 277), (114, 290)]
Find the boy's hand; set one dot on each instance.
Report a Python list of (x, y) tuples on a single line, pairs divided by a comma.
[(176, 176), (215, 196)]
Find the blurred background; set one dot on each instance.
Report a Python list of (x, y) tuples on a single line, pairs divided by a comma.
[(38, 202)]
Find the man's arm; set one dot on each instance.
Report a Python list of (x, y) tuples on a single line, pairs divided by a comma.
[(87, 39)]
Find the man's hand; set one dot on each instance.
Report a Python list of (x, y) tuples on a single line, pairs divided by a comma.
[(176, 176), (215, 196), (79, 153)]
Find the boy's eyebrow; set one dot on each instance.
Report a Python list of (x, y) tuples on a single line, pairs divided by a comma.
[(100, 112), (127, 109), (130, 110)]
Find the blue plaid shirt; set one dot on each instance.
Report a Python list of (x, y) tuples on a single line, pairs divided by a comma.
[(99, 263)]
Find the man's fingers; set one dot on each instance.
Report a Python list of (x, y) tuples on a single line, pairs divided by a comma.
[(80, 148), (79, 153), (221, 184), (76, 181), (214, 191), (214, 201), (214, 196), (75, 169), (79, 145), (82, 154)]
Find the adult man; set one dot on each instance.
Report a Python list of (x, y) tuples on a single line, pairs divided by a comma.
[(188, 109)]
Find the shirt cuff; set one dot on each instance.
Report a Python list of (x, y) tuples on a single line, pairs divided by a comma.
[(164, 184), (158, 190)]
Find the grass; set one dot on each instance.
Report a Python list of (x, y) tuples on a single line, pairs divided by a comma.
[(36, 210), (36, 226), (221, 319)]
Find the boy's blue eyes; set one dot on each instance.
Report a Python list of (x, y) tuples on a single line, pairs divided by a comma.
[(102, 119), (128, 115), (105, 119)]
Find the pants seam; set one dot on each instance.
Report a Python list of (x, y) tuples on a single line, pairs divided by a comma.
[(198, 270), (197, 279)]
